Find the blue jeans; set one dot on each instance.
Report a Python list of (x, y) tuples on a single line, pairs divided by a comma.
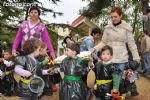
[(121, 66), (146, 61)]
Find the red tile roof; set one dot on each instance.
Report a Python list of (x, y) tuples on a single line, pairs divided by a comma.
[(76, 21)]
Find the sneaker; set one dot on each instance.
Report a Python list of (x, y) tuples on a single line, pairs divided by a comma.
[(134, 93), (1, 94)]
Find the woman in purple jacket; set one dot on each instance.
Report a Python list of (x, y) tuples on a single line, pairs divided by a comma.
[(32, 28)]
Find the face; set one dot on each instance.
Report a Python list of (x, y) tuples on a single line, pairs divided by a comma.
[(70, 53), (37, 52), (106, 56), (148, 14), (34, 15), (96, 36), (68, 41), (43, 51), (7, 55), (115, 18)]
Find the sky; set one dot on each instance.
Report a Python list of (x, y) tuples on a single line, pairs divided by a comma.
[(70, 8)]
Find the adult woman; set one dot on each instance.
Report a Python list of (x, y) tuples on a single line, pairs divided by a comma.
[(32, 28), (117, 34)]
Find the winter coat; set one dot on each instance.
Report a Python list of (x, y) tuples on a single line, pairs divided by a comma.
[(117, 37), (145, 44)]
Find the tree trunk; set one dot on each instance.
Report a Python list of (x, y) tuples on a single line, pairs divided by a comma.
[(135, 18)]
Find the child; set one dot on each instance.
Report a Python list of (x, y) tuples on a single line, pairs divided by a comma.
[(67, 41), (72, 87), (27, 66), (43, 59), (107, 75), (7, 67), (129, 77)]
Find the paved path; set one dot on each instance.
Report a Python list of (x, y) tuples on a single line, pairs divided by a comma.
[(143, 85)]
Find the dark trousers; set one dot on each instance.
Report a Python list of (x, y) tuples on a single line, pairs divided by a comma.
[(9, 85), (84, 78), (48, 85), (126, 86), (1, 86)]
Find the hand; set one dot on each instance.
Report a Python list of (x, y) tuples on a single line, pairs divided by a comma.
[(47, 58), (1, 59), (99, 60), (52, 54), (91, 65), (27, 73), (138, 61), (50, 71), (92, 50), (14, 53)]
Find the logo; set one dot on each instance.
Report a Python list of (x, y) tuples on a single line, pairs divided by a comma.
[(16, 3)]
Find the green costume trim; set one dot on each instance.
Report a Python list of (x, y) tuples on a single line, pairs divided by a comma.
[(70, 77)]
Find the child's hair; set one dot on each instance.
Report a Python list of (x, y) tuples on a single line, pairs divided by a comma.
[(31, 45), (106, 47), (42, 44), (95, 31), (7, 50), (65, 39), (74, 47)]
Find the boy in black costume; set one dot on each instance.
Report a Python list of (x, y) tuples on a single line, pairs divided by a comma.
[(72, 87), (7, 79)]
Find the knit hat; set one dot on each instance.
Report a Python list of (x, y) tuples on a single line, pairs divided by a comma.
[(74, 47)]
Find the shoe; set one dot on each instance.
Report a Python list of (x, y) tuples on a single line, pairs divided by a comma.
[(147, 73), (54, 87), (134, 93), (142, 72)]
